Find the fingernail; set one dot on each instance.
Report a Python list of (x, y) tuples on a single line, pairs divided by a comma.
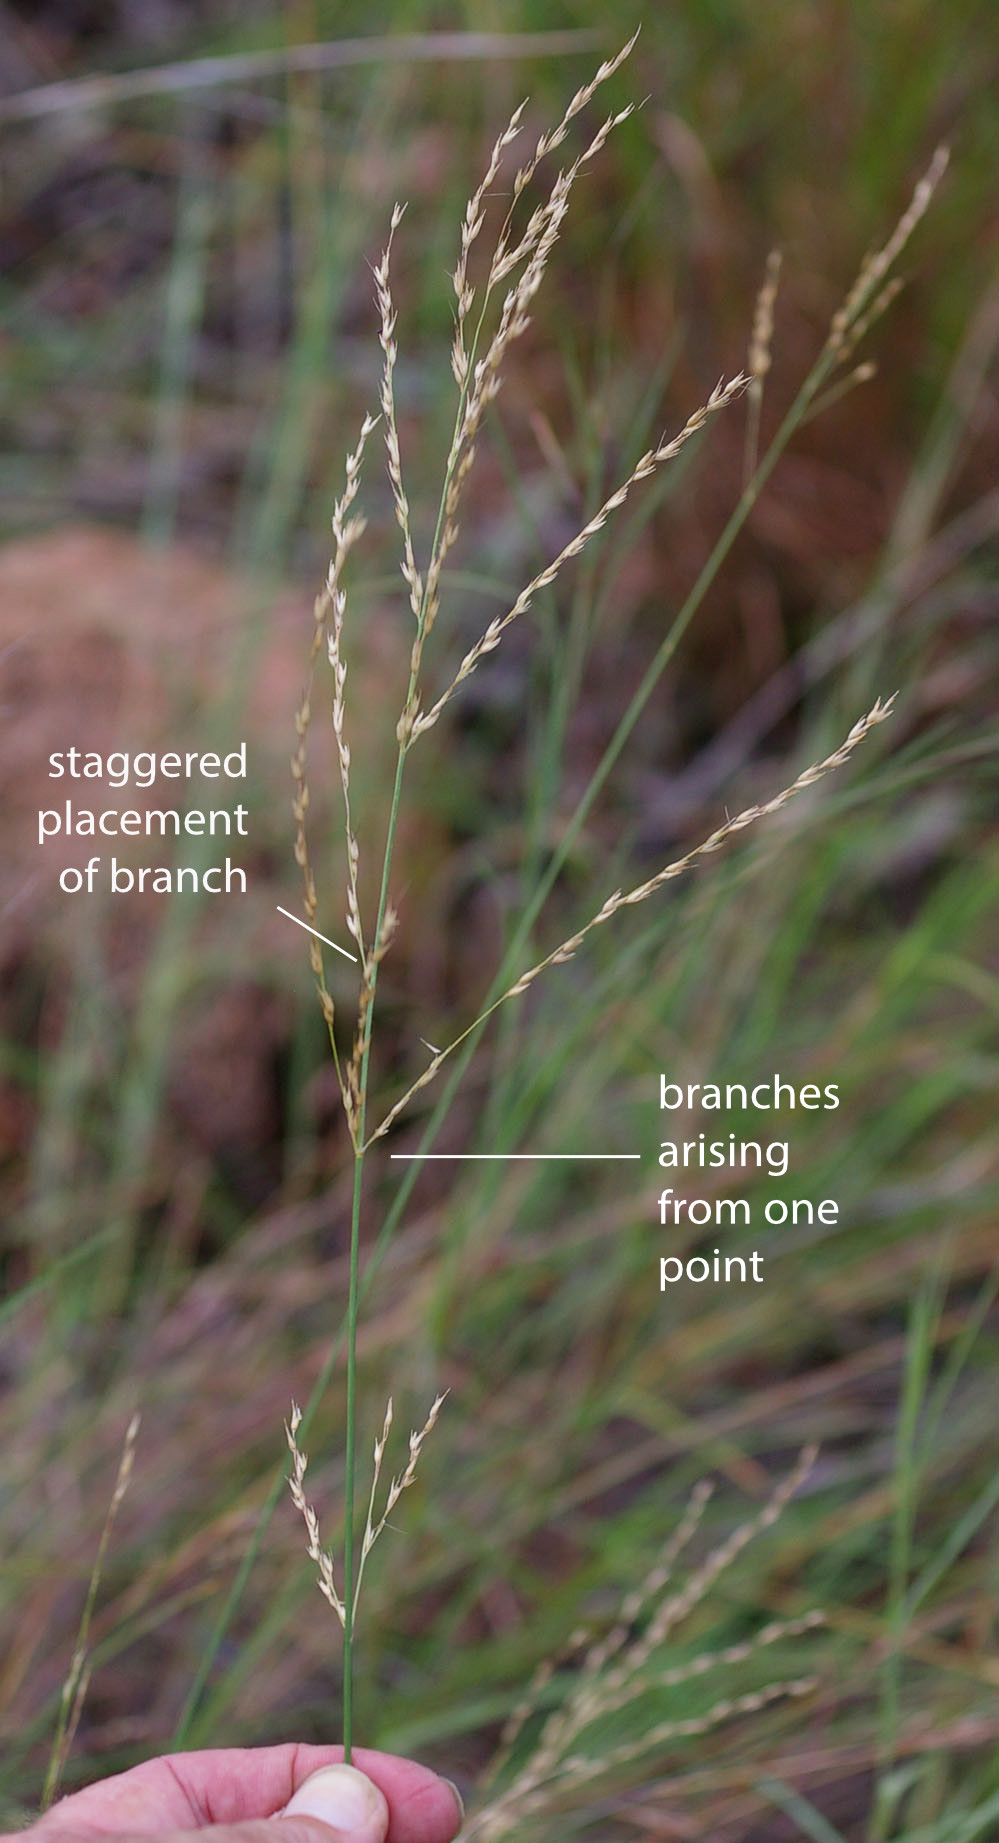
[(343, 1798), (459, 1801)]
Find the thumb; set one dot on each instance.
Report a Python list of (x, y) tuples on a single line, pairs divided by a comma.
[(345, 1800)]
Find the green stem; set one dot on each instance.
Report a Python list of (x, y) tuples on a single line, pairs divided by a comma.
[(348, 1534), (353, 1295), (370, 975)]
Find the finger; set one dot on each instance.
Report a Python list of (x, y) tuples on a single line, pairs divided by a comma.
[(423, 1808), (348, 1801)]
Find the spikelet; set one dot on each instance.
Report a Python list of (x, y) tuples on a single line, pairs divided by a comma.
[(760, 356), (333, 606), (868, 286), (387, 341), (472, 223), (296, 1485)]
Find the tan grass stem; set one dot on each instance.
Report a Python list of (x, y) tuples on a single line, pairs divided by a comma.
[(728, 1708), (625, 1668), (77, 1681), (241, 67)]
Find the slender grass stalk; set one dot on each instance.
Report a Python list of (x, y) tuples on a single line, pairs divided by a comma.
[(75, 1687), (810, 1822), (74, 93), (921, 1344), (351, 1458)]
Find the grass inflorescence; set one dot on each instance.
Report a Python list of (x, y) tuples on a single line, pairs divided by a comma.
[(515, 271)]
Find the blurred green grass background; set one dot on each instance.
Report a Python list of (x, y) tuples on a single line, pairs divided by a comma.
[(189, 344)]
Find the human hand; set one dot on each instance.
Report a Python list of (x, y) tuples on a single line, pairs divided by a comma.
[(289, 1794)]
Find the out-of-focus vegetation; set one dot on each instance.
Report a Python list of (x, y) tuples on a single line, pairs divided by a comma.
[(189, 344)]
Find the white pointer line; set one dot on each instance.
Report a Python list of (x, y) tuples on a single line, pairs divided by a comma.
[(319, 937), (603, 1156)]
